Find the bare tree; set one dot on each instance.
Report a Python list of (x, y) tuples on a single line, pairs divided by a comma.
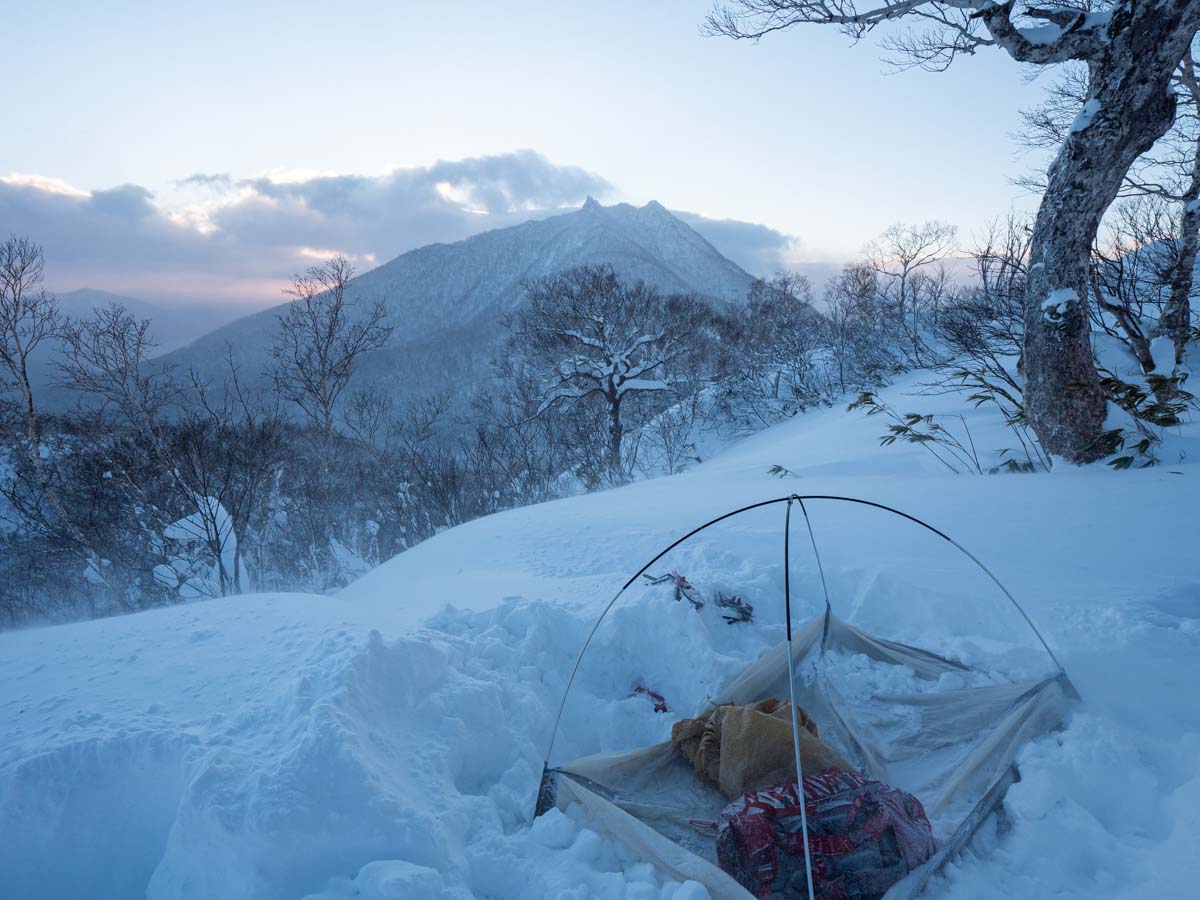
[(29, 319), (1132, 49), (229, 445), (983, 324), (768, 369), (106, 358), (1132, 276), (322, 337), (913, 280)]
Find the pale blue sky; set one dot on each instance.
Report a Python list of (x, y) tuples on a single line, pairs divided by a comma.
[(801, 132)]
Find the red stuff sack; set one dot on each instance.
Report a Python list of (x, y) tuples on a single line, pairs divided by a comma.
[(863, 837)]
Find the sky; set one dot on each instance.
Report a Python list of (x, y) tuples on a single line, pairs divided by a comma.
[(205, 151)]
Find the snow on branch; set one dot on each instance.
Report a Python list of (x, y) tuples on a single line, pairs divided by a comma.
[(1068, 33)]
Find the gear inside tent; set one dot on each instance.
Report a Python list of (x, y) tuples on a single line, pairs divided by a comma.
[(912, 659)]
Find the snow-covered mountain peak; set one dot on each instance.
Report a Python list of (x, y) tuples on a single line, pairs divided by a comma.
[(447, 300)]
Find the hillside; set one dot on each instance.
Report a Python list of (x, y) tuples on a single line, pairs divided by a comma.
[(171, 327), (447, 300), (387, 742)]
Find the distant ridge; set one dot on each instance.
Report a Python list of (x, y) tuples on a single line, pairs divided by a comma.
[(447, 300)]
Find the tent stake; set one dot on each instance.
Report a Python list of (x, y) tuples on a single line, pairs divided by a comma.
[(787, 606)]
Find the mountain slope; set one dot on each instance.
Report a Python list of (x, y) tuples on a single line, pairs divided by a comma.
[(274, 747), (447, 300), (171, 325)]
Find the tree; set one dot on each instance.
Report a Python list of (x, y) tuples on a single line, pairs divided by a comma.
[(1133, 273), (321, 340), (859, 351), (912, 280), (229, 444), (1132, 50), (585, 335), (105, 358), (1162, 209), (768, 368), (29, 319)]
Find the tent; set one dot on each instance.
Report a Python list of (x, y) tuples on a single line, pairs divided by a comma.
[(955, 748)]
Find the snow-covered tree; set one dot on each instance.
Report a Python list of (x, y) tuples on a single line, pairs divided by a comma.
[(1132, 49), (860, 352), (585, 335), (1161, 213), (769, 368)]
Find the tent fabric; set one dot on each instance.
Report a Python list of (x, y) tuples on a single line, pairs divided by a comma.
[(955, 750)]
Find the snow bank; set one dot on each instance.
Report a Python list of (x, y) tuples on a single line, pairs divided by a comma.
[(387, 742)]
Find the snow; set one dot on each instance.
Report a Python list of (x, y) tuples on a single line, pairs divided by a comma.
[(387, 742), (1086, 114), (1054, 307), (210, 526), (1041, 34), (1162, 351)]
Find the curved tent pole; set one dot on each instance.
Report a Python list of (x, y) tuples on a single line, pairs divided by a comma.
[(787, 606), (792, 497), (617, 596)]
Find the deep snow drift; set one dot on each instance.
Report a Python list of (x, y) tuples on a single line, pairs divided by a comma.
[(387, 742)]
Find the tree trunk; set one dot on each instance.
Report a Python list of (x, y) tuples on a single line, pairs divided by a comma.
[(1130, 105), (615, 435), (1177, 315)]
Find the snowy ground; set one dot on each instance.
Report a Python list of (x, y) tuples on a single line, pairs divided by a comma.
[(386, 743)]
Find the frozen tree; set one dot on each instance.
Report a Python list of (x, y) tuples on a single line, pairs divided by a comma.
[(229, 446), (1133, 272), (769, 369), (1132, 50), (859, 342), (585, 335), (1163, 211)]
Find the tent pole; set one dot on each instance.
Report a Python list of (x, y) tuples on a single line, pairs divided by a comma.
[(787, 605)]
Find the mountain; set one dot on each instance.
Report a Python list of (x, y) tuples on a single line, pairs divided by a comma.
[(447, 300), (171, 325)]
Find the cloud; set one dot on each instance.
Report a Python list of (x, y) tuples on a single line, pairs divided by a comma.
[(241, 239), (217, 238), (204, 179), (758, 249)]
